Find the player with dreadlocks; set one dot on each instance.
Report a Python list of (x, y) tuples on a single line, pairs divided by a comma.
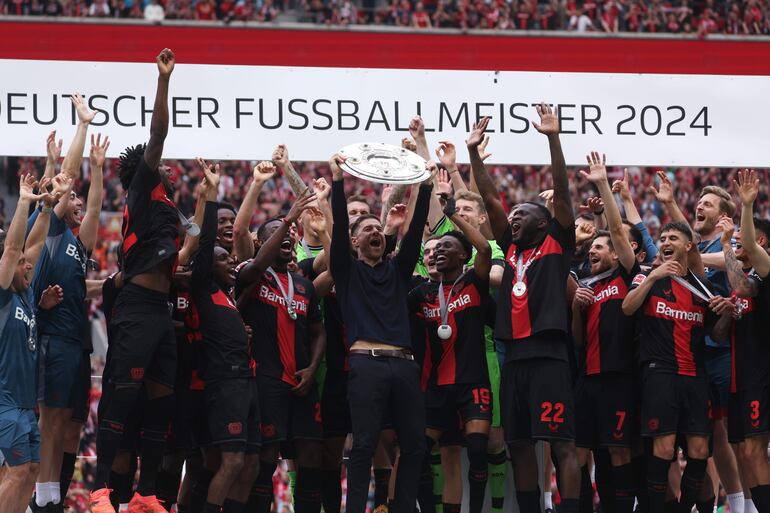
[(143, 348)]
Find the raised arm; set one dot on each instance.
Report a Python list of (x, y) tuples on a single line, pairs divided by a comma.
[(407, 256), (739, 282), (597, 175), (549, 126), (268, 252), (417, 131), (447, 155), (204, 259), (282, 162), (747, 187), (243, 246), (53, 154), (498, 221), (90, 225), (339, 256), (74, 159), (483, 262), (665, 195), (159, 122), (191, 242), (632, 215), (14, 239)]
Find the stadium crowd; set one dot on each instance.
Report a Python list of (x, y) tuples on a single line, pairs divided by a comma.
[(702, 17)]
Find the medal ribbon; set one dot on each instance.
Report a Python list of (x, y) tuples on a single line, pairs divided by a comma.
[(593, 279), (684, 283), (289, 298), (521, 269), (443, 304)]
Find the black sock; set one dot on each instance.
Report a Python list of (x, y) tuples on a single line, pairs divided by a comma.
[(200, 490), (605, 486), (65, 476), (331, 490), (307, 491), (706, 506), (478, 470), (639, 463), (451, 508), (168, 487), (261, 496), (212, 508), (586, 501), (425, 496), (529, 501), (157, 415), (569, 506), (657, 482), (121, 489), (623, 484), (761, 497), (381, 484), (692, 481), (233, 506)]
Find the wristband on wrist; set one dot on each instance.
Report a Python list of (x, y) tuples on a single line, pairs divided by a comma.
[(46, 209)]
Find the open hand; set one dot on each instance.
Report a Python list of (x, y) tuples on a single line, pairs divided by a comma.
[(549, 120), (98, 152)]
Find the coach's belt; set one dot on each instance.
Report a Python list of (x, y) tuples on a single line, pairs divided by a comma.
[(386, 353)]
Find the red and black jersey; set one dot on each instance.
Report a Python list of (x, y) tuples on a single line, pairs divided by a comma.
[(609, 334), (749, 339), (673, 323), (150, 223), (462, 357), (281, 346), (192, 322), (543, 307), (185, 354), (226, 343)]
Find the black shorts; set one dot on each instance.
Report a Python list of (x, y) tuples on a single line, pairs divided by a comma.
[(536, 399), (80, 401), (335, 411), (444, 402), (672, 403), (143, 345), (605, 411), (286, 415), (232, 408), (749, 413)]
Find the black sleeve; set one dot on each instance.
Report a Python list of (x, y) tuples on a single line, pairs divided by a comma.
[(339, 253), (314, 312), (407, 256), (391, 241), (306, 268), (565, 236), (204, 259)]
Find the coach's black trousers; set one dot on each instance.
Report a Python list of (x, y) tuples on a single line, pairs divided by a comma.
[(385, 389)]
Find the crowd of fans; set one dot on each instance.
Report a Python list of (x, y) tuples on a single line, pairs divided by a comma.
[(652, 16)]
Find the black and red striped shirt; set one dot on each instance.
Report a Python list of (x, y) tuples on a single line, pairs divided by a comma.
[(609, 334), (673, 323), (749, 339), (462, 357), (280, 345), (528, 323), (150, 224)]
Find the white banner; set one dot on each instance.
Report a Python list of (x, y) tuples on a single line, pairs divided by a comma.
[(243, 112)]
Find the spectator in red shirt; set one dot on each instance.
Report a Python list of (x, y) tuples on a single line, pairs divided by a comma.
[(420, 18), (524, 16), (205, 10)]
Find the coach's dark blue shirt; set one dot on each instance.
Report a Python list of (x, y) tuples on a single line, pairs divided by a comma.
[(62, 262), (373, 300), (18, 349)]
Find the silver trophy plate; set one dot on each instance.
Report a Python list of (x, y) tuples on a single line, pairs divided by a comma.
[(383, 163)]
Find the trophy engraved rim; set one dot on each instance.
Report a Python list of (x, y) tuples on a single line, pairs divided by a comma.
[(383, 163)]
